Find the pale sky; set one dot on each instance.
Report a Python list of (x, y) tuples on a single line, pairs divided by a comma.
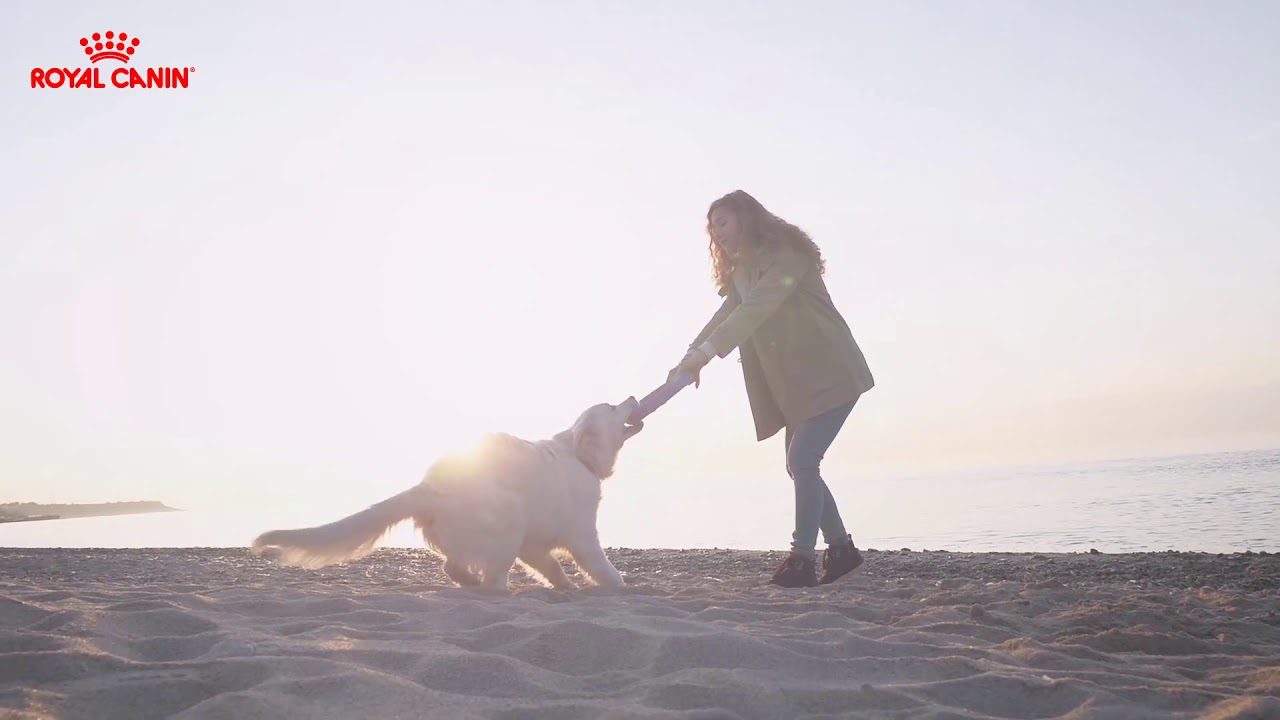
[(364, 234)]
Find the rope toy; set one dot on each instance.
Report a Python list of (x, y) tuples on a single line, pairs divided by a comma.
[(658, 398)]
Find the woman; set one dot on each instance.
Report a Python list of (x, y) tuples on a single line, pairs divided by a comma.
[(803, 370)]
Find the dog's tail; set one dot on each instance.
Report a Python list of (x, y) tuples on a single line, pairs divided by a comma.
[(350, 538)]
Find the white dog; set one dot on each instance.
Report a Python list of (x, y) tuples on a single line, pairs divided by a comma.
[(512, 499)]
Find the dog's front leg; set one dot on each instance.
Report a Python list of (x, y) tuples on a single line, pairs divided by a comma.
[(546, 565), (591, 558), (460, 573)]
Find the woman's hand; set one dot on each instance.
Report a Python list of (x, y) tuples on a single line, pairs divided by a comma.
[(697, 379), (693, 362)]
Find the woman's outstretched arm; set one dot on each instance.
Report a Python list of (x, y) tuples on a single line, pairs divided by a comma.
[(780, 279)]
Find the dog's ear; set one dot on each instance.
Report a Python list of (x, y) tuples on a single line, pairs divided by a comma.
[(592, 448)]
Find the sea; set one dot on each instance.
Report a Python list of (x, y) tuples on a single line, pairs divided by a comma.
[(1215, 503)]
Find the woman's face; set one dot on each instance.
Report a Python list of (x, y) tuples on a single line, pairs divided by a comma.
[(726, 230)]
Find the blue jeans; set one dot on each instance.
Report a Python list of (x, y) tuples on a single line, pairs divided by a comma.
[(807, 443)]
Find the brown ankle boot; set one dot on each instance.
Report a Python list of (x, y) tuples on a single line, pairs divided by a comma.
[(794, 572), (838, 561)]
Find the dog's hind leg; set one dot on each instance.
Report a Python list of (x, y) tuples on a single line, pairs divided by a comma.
[(495, 578), (495, 566), (546, 565), (459, 573), (591, 558)]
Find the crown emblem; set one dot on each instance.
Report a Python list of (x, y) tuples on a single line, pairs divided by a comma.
[(109, 47)]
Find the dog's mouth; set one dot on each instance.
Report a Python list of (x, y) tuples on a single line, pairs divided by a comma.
[(631, 428)]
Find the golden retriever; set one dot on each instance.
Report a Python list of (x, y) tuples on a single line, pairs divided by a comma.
[(510, 500)]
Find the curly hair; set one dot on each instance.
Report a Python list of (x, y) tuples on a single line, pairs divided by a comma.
[(762, 229)]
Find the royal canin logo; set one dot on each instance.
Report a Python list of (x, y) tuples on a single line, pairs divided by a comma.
[(110, 46)]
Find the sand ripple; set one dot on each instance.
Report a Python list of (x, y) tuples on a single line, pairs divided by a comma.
[(219, 634)]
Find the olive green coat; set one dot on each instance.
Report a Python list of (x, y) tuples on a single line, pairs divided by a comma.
[(799, 358)]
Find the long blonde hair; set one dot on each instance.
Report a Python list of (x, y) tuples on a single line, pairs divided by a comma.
[(763, 231)]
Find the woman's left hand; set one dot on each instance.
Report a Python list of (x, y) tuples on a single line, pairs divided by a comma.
[(675, 371), (693, 362)]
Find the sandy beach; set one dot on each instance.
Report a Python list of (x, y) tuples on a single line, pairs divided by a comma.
[(216, 633)]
